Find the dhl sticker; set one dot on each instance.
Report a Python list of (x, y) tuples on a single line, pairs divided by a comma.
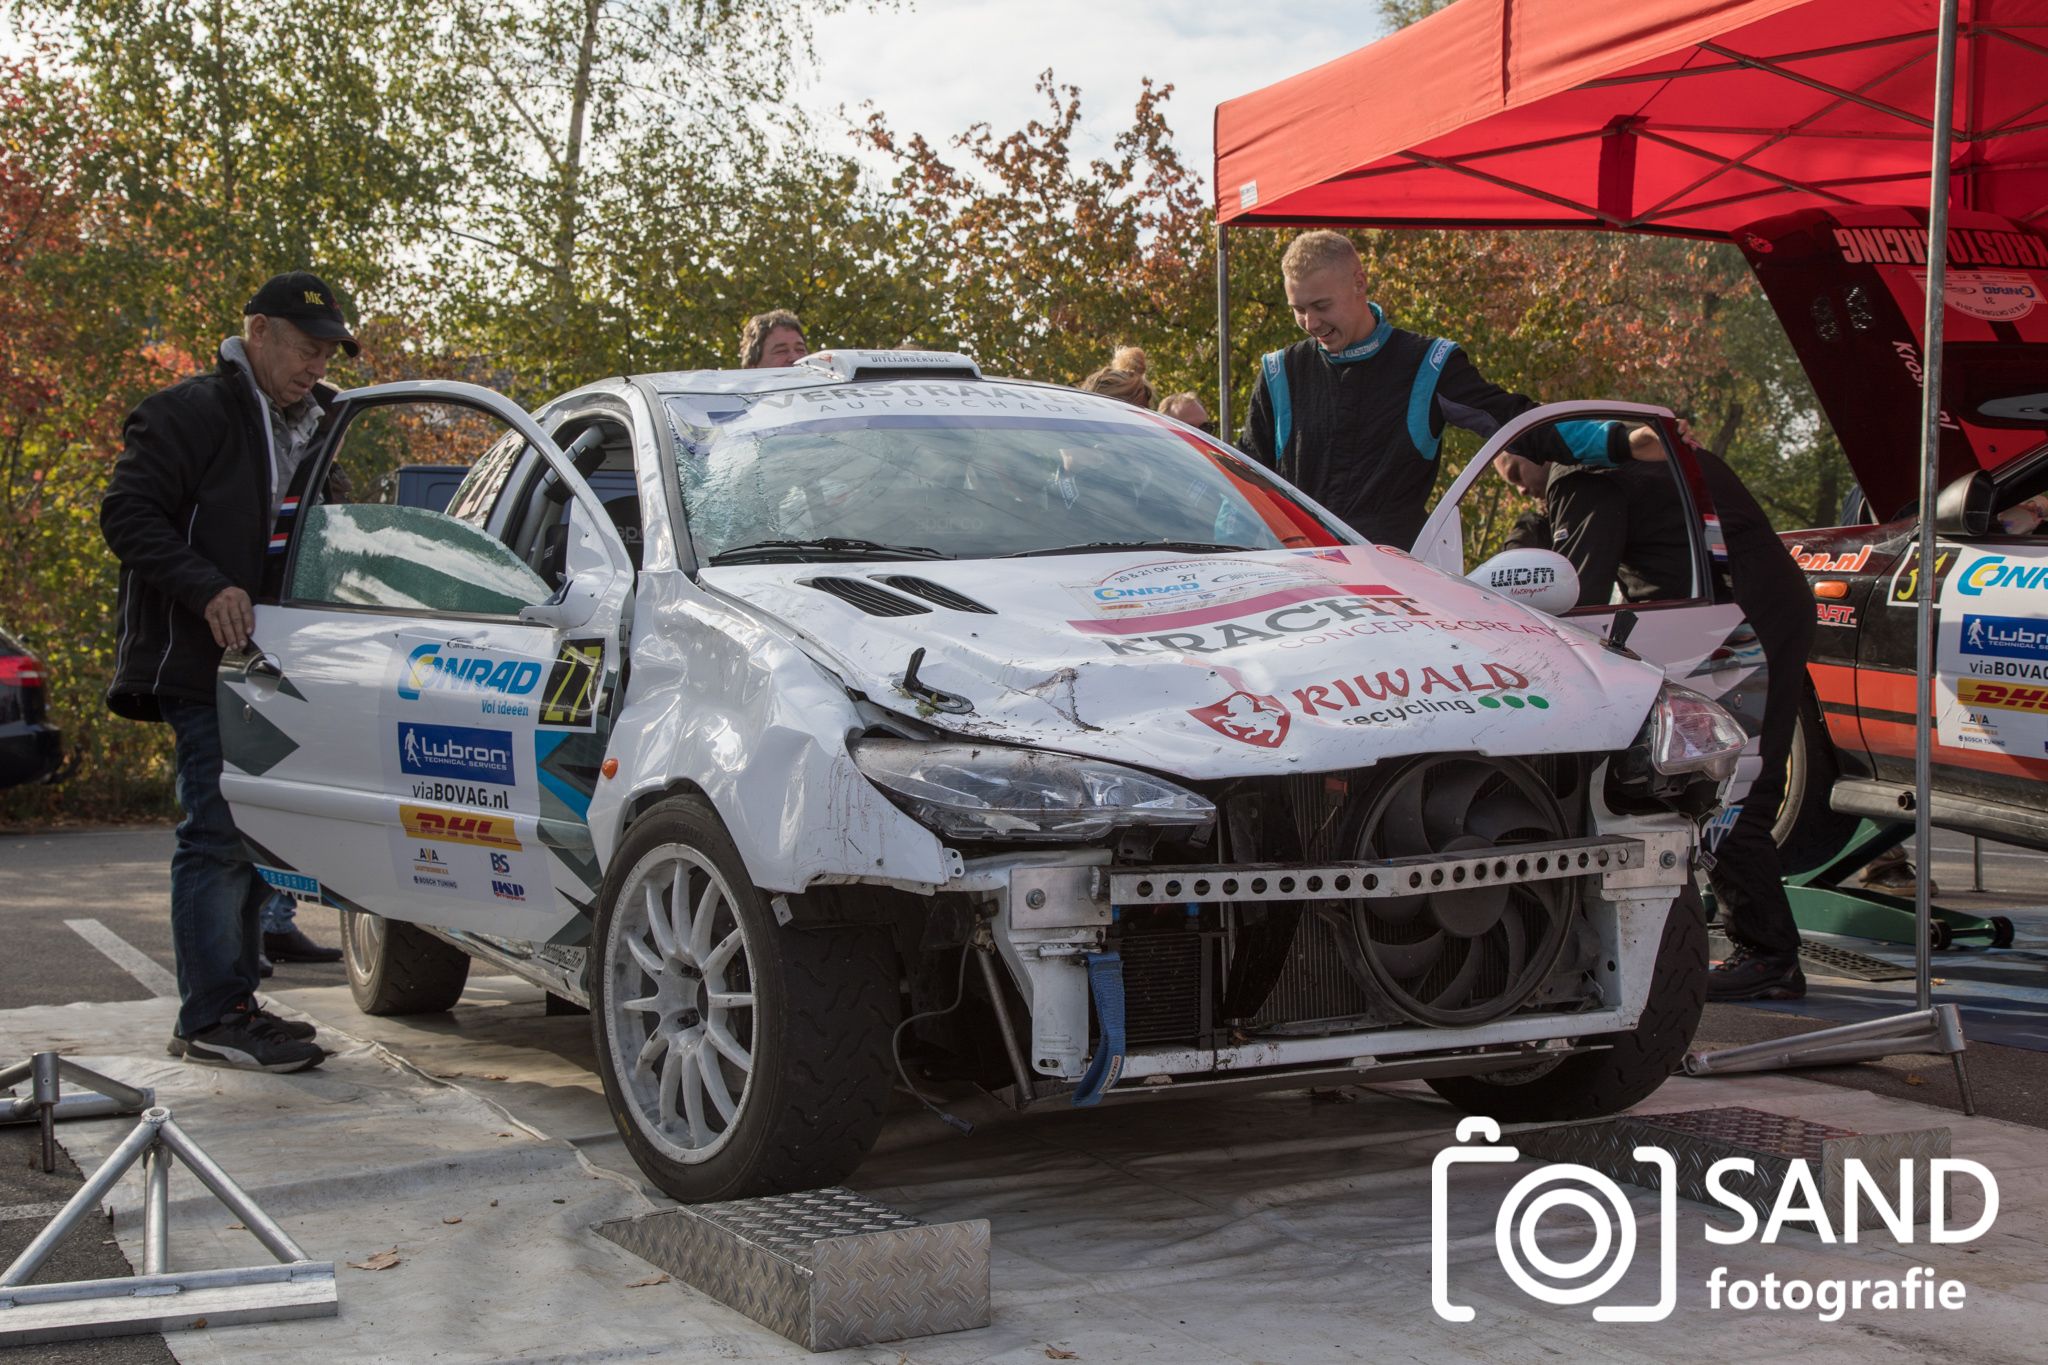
[(2001, 696), (459, 827)]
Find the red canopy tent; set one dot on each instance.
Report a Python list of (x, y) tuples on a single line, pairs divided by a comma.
[(1693, 117), (1685, 116)]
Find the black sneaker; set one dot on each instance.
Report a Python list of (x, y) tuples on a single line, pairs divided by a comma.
[(1747, 974), (293, 946), (252, 1042), (290, 1028)]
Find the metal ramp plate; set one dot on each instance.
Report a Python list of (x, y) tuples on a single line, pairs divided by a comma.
[(1697, 1138), (826, 1268), (1824, 959)]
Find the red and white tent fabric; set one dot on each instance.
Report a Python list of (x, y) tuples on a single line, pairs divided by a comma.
[(1694, 117)]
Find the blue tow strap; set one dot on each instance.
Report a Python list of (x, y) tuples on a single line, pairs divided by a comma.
[(1106, 981)]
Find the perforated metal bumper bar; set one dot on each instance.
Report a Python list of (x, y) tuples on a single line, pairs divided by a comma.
[(1378, 880)]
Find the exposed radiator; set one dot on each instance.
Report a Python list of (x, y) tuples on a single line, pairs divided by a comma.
[(1162, 986), (1314, 984)]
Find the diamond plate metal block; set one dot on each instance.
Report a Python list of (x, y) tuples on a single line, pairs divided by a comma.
[(1697, 1138), (826, 1268)]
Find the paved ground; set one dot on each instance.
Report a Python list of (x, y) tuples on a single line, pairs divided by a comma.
[(27, 1198), (119, 878), (83, 915)]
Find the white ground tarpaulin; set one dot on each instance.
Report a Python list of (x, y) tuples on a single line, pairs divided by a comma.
[(1285, 1227)]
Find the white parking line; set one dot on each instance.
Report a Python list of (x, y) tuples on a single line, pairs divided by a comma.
[(22, 1213), (127, 957)]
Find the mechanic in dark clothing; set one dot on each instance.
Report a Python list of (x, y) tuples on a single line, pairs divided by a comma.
[(1624, 526), (1745, 873), (1354, 415), (206, 467)]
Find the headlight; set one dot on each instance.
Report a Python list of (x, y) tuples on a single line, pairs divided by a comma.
[(1688, 733), (984, 791)]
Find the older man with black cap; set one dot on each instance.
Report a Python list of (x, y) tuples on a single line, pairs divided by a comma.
[(206, 465)]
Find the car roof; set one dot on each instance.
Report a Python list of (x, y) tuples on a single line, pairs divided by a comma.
[(853, 368)]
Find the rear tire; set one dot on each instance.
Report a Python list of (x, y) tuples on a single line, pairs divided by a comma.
[(399, 968), (1595, 1084), (739, 1056), (1808, 831)]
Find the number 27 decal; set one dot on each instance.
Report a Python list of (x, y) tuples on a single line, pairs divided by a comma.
[(569, 700)]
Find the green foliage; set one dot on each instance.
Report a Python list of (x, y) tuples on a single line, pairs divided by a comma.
[(535, 193), (1401, 13)]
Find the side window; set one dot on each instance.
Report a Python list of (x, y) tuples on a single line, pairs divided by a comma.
[(549, 529), (479, 490), (1605, 494), (402, 557), (408, 559)]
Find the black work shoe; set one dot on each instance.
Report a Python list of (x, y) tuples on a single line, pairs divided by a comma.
[(264, 966), (250, 1042), (290, 1028), (294, 946), (1747, 974)]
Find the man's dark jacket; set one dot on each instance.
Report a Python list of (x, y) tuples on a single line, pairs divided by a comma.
[(187, 513)]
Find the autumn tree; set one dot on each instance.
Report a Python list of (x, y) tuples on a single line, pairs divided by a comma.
[(1045, 261), (247, 139), (597, 132), (68, 364)]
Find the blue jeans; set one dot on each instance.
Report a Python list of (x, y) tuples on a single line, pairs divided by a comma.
[(279, 913), (216, 895)]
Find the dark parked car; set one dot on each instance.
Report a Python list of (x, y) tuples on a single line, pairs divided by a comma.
[(31, 749)]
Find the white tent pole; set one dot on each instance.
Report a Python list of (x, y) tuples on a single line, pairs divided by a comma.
[(1930, 463)]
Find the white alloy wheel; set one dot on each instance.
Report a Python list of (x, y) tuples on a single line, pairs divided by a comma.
[(679, 985)]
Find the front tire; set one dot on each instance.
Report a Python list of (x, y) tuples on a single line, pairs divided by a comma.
[(398, 968), (739, 1057), (1595, 1084), (1808, 831)]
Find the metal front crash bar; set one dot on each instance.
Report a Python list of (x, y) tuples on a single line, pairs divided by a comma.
[(1380, 879)]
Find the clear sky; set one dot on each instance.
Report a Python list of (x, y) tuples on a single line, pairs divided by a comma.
[(936, 66)]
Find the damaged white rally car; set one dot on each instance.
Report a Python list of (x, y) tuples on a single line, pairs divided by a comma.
[(888, 721)]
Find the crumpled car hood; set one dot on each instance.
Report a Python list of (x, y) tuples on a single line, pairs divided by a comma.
[(1211, 666)]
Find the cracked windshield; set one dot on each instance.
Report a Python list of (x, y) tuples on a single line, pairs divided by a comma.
[(913, 471)]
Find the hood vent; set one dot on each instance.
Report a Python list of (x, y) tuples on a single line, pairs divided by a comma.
[(937, 593), (871, 598)]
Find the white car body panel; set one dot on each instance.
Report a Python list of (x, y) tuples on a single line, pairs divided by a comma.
[(721, 702), (745, 683), (1454, 667)]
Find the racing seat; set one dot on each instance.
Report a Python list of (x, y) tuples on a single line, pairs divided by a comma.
[(625, 514), (550, 556)]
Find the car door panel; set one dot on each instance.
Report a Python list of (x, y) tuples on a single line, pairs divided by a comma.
[(1991, 671), (406, 740), (1704, 643)]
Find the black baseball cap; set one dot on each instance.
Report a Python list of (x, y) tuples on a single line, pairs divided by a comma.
[(302, 299)]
